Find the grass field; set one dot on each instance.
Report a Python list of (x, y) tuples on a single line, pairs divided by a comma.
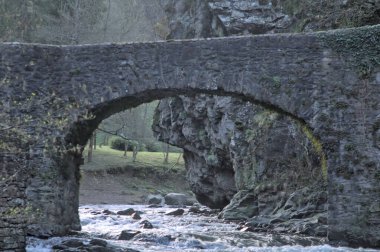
[(111, 178), (105, 158)]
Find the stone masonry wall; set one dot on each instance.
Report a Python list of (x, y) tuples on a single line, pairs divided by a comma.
[(12, 204)]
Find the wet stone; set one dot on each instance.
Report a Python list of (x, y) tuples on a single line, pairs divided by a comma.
[(74, 243), (246, 229), (108, 212), (128, 211), (146, 224), (130, 250), (195, 209), (155, 199), (178, 199), (177, 212), (136, 216), (99, 249), (128, 234), (154, 206), (155, 238), (98, 242), (59, 247)]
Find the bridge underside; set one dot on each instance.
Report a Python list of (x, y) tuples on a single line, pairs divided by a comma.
[(53, 97)]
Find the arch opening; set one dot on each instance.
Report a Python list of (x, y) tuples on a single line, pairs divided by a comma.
[(125, 161)]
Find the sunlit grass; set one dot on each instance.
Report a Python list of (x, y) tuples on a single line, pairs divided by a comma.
[(105, 158)]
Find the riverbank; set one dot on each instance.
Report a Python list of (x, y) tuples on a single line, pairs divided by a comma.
[(111, 178)]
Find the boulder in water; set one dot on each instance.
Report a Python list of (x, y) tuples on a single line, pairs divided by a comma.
[(128, 211), (128, 234), (108, 212), (98, 242), (177, 212), (178, 199), (146, 224), (155, 199), (136, 216), (73, 243)]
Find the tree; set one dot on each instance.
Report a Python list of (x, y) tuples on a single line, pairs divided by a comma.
[(90, 148), (166, 153), (71, 21), (17, 20)]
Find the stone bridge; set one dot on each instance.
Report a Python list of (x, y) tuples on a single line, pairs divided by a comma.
[(53, 97)]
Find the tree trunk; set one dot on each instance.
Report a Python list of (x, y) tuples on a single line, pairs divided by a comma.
[(134, 153), (94, 136), (75, 35), (166, 154), (26, 21), (143, 126), (106, 140), (107, 19), (125, 148), (90, 147)]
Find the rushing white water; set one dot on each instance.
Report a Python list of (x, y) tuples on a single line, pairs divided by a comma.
[(188, 232)]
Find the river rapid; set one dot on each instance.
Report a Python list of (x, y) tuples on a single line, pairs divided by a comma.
[(188, 232)]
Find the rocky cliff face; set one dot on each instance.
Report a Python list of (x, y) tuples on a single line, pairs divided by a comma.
[(203, 130), (250, 161), (192, 19), (256, 164), (273, 16)]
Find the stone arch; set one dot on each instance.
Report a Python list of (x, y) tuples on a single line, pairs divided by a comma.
[(310, 77), (80, 131)]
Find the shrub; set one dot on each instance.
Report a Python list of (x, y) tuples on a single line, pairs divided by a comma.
[(119, 144), (153, 146)]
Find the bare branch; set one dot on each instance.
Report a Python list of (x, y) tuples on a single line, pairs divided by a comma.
[(116, 134)]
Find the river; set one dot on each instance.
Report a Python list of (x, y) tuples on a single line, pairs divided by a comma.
[(189, 232)]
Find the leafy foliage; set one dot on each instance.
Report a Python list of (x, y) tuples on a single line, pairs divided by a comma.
[(44, 21), (120, 144)]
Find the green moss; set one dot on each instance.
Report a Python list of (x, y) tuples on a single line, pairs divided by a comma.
[(250, 135), (19, 211), (318, 148), (360, 47), (265, 118)]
